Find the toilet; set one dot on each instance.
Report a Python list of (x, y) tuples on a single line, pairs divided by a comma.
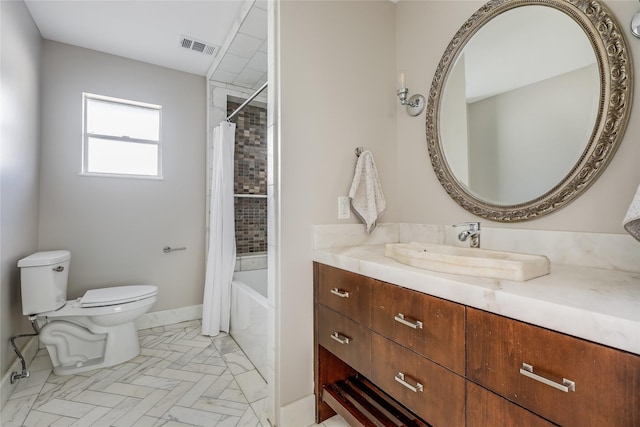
[(94, 331)]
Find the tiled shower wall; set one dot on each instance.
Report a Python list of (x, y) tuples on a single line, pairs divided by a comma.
[(250, 183)]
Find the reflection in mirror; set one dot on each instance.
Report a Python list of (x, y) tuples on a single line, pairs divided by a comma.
[(512, 126), (518, 123)]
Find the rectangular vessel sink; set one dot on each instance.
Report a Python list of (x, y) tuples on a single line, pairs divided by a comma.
[(469, 261)]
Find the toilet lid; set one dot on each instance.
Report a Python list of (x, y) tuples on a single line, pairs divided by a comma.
[(117, 295)]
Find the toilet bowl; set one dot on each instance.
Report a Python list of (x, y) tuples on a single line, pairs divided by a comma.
[(94, 331)]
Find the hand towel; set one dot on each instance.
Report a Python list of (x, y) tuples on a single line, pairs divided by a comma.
[(367, 200), (631, 221)]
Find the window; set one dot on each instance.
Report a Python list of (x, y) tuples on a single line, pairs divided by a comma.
[(121, 138)]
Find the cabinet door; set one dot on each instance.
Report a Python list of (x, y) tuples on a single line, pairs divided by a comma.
[(345, 292), (528, 365), (431, 326), (429, 390), (485, 409), (348, 340)]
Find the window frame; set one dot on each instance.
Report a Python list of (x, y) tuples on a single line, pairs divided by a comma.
[(86, 135)]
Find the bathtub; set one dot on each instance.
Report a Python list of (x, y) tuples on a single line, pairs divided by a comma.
[(249, 317)]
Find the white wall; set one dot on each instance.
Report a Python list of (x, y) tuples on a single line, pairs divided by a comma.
[(424, 29), (116, 228), (533, 158), (19, 156), (337, 92)]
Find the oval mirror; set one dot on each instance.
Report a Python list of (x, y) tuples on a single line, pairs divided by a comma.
[(528, 105)]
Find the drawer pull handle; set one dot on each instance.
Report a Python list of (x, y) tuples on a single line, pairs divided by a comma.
[(416, 324), (342, 339), (340, 293), (566, 386), (414, 388)]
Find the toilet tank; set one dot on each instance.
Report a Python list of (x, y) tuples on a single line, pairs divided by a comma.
[(43, 278)]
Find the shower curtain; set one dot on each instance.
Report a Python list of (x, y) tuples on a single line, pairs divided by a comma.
[(221, 256)]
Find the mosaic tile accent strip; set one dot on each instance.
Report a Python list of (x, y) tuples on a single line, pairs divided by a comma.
[(250, 170), (250, 156), (251, 225)]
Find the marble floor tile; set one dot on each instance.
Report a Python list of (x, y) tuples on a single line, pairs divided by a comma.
[(141, 409), (66, 408), (40, 419), (237, 362), (91, 417), (99, 398), (253, 386), (15, 411), (197, 390), (129, 390), (180, 378), (118, 412)]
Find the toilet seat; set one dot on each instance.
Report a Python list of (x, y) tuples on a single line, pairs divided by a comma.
[(116, 295), (106, 302)]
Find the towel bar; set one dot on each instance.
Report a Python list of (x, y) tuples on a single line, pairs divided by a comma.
[(168, 249)]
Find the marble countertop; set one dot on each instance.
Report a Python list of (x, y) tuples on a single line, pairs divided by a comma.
[(595, 304)]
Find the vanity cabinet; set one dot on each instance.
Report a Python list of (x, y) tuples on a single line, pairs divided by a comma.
[(431, 391), (405, 343), (390, 356), (569, 381), (345, 338), (430, 326), (487, 409), (345, 292)]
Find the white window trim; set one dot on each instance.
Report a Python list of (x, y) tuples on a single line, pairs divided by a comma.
[(85, 138)]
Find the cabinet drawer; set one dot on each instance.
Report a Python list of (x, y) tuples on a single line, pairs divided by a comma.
[(607, 381), (345, 338), (485, 408), (345, 292), (431, 391), (428, 325)]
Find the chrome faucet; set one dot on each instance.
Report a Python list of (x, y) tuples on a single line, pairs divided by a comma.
[(473, 233)]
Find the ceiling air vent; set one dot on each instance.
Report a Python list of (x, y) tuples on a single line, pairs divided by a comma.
[(197, 45)]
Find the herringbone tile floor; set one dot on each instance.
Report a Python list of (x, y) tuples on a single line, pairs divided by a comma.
[(180, 378)]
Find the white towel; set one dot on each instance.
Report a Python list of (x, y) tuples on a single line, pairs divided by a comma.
[(367, 200), (631, 221)]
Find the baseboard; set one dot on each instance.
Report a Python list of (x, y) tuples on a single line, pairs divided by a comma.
[(299, 413), (169, 317), (29, 352)]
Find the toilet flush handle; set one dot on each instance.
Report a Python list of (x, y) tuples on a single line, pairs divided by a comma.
[(59, 269)]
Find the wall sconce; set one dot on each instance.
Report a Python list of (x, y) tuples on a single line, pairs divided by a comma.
[(415, 104)]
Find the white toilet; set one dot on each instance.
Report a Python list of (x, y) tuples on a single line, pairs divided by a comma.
[(94, 331)]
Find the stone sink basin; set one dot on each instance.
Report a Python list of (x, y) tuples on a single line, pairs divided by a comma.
[(469, 261)]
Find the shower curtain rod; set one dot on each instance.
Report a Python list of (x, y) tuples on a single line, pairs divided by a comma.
[(232, 115)]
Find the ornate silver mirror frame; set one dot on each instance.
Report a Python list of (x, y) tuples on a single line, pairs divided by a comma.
[(616, 86)]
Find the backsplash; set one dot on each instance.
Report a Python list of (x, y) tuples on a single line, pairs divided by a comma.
[(598, 250), (250, 170)]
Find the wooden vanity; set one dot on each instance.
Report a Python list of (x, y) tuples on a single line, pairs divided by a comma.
[(386, 355)]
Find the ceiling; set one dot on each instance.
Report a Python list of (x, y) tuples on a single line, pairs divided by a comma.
[(152, 31)]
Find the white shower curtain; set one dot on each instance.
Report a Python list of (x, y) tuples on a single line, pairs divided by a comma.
[(221, 256)]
